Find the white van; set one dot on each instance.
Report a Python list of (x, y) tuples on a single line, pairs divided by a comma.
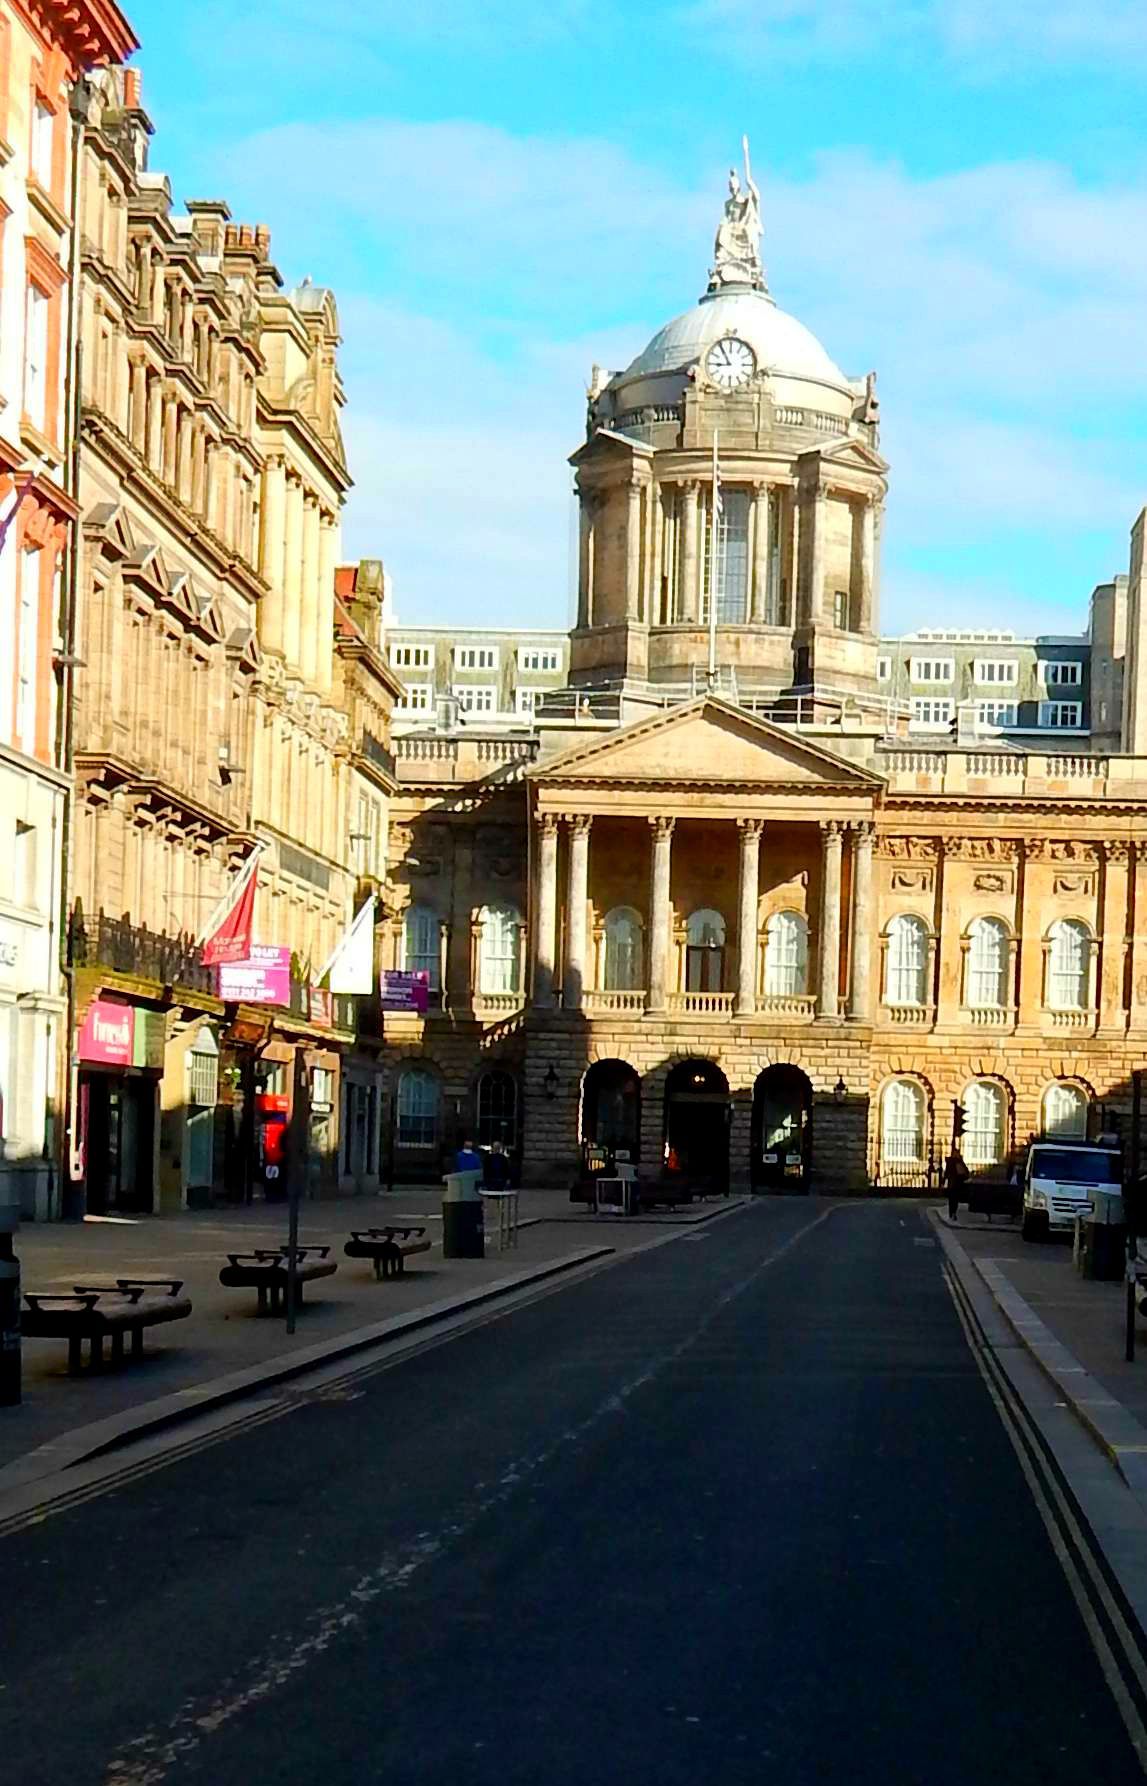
[(1060, 1178)]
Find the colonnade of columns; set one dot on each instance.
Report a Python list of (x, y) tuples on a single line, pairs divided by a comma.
[(665, 554), (834, 922)]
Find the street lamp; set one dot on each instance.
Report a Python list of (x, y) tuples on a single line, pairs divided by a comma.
[(839, 1091)]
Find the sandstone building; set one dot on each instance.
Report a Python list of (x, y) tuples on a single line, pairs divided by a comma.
[(729, 898)]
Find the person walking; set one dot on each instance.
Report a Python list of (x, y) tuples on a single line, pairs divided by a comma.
[(496, 1175), (467, 1159), (955, 1178)]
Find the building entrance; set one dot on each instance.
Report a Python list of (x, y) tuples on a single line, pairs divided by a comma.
[(697, 1119), (118, 1116), (610, 1115), (781, 1130)]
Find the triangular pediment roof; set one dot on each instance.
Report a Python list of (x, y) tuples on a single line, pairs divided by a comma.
[(108, 523), (851, 452), (710, 743), (608, 440)]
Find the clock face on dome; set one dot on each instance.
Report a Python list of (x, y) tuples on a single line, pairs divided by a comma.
[(730, 363)]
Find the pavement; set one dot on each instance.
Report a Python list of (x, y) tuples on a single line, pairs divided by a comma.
[(225, 1337), (740, 1508)]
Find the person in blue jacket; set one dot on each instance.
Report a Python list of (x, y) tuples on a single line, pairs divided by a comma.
[(467, 1158)]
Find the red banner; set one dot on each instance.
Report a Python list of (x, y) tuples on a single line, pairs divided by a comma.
[(232, 940)]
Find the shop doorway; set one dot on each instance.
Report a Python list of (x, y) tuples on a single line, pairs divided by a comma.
[(118, 1115), (781, 1133), (610, 1115), (697, 1120)]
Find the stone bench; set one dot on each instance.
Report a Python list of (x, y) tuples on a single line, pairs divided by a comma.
[(99, 1312), (387, 1248), (265, 1271)]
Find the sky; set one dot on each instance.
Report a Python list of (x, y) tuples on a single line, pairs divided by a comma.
[(954, 194)]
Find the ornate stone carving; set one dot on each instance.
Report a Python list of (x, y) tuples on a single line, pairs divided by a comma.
[(981, 849), (911, 880), (737, 249), (1073, 883), (1061, 849), (993, 883), (907, 849), (660, 825), (1117, 853)]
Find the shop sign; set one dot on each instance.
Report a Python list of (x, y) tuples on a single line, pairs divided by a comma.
[(322, 1007), (263, 979), (108, 1034), (405, 992), (150, 1037)]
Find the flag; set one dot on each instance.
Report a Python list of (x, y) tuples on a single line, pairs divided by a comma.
[(351, 967), (227, 935)]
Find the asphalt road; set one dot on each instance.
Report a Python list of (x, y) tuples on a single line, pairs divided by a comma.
[(738, 1510)]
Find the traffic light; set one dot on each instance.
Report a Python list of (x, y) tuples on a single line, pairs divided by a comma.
[(957, 1119)]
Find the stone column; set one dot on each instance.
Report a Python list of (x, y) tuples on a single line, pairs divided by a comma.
[(867, 564), (271, 555), (155, 424), (585, 557), (184, 456), (309, 633), (750, 830), (660, 864), (860, 992), (817, 520), (757, 611), (687, 593), (198, 467), (545, 948), (293, 573), (1113, 937), (831, 843), (170, 437), (633, 553), (328, 559), (653, 614), (139, 406), (577, 897)]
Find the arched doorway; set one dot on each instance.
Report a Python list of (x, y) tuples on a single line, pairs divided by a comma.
[(610, 1114), (781, 1130), (697, 1117)]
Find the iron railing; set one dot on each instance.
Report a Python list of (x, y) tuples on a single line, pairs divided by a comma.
[(126, 948)]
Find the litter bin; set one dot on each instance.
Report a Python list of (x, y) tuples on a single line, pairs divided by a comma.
[(463, 1235), (1101, 1238)]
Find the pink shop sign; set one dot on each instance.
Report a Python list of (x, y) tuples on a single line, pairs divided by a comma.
[(263, 979), (108, 1034)]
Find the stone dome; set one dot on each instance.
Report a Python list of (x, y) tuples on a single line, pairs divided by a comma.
[(781, 343)]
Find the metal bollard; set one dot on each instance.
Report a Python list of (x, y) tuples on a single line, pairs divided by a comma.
[(10, 1394)]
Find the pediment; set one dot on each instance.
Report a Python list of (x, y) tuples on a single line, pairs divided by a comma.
[(145, 565), (605, 442), (108, 523), (852, 453), (708, 743)]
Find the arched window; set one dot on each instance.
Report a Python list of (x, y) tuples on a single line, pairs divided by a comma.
[(1065, 1111), (1069, 966), (419, 1102), (985, 1111), (623, 966), (704, 951), (902, 1121), (786, 955), (987, 965), (421, 952), (499, 949), (906, 972), (497, 1109)]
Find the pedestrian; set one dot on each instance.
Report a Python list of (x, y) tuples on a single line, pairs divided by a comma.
[(955, 1177), (497, 1170), (467, 1159)]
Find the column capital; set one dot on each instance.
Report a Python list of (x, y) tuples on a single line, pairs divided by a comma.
[(660, 825), (750, 829), (863, 831), (580, 823), (548, 823), (690, 485), (832, 831)]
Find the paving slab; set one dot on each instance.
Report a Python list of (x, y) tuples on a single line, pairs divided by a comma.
[(225, 1334)]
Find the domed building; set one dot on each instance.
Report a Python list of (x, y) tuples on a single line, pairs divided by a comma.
[(735, 385), (712, 910)]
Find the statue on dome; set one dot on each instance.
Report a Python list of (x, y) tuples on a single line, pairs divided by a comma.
[(737, 250)]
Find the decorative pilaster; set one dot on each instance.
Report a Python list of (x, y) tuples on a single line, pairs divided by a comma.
[(585, 557), (831, 845), (633, 552), (860, 993), (818, 522), (577, 897), (1113, 1013), (660, 864), (687, 595), (545, 948), (750, 833), (759, 607), (867, 565)]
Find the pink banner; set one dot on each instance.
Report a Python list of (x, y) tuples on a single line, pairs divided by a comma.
[(263, 979), (108, 1034)]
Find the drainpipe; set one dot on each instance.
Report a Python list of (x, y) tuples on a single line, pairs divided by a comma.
[(69, 1203)]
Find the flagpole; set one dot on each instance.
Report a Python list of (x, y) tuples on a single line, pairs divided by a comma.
[(231, 896), (714, 512)]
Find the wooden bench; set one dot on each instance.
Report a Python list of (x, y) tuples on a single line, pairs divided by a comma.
[(95, 1312), (265, 1270), (387, 1248)]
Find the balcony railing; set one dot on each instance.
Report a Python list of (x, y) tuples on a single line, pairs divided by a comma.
[(128, 948), (915, 1016), (701, 1004), (613, 1003), (1069, 1019), (801, 1005), (990, 1016)]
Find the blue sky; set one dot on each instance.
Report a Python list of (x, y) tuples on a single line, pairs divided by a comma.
[(955, 193)]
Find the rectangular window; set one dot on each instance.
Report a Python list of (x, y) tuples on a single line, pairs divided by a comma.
[(43, 143), (416, 698), (412, 657), (36, 358), (525, 700), (477, 698), (931, 669), (995, 713), (475, 657), (530, 658), (1002, 672), (1062, 675), (1065, 715), (842, 610), (732, 546), (322, 1085), (931, 716), (884, 669), (28, 650)]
